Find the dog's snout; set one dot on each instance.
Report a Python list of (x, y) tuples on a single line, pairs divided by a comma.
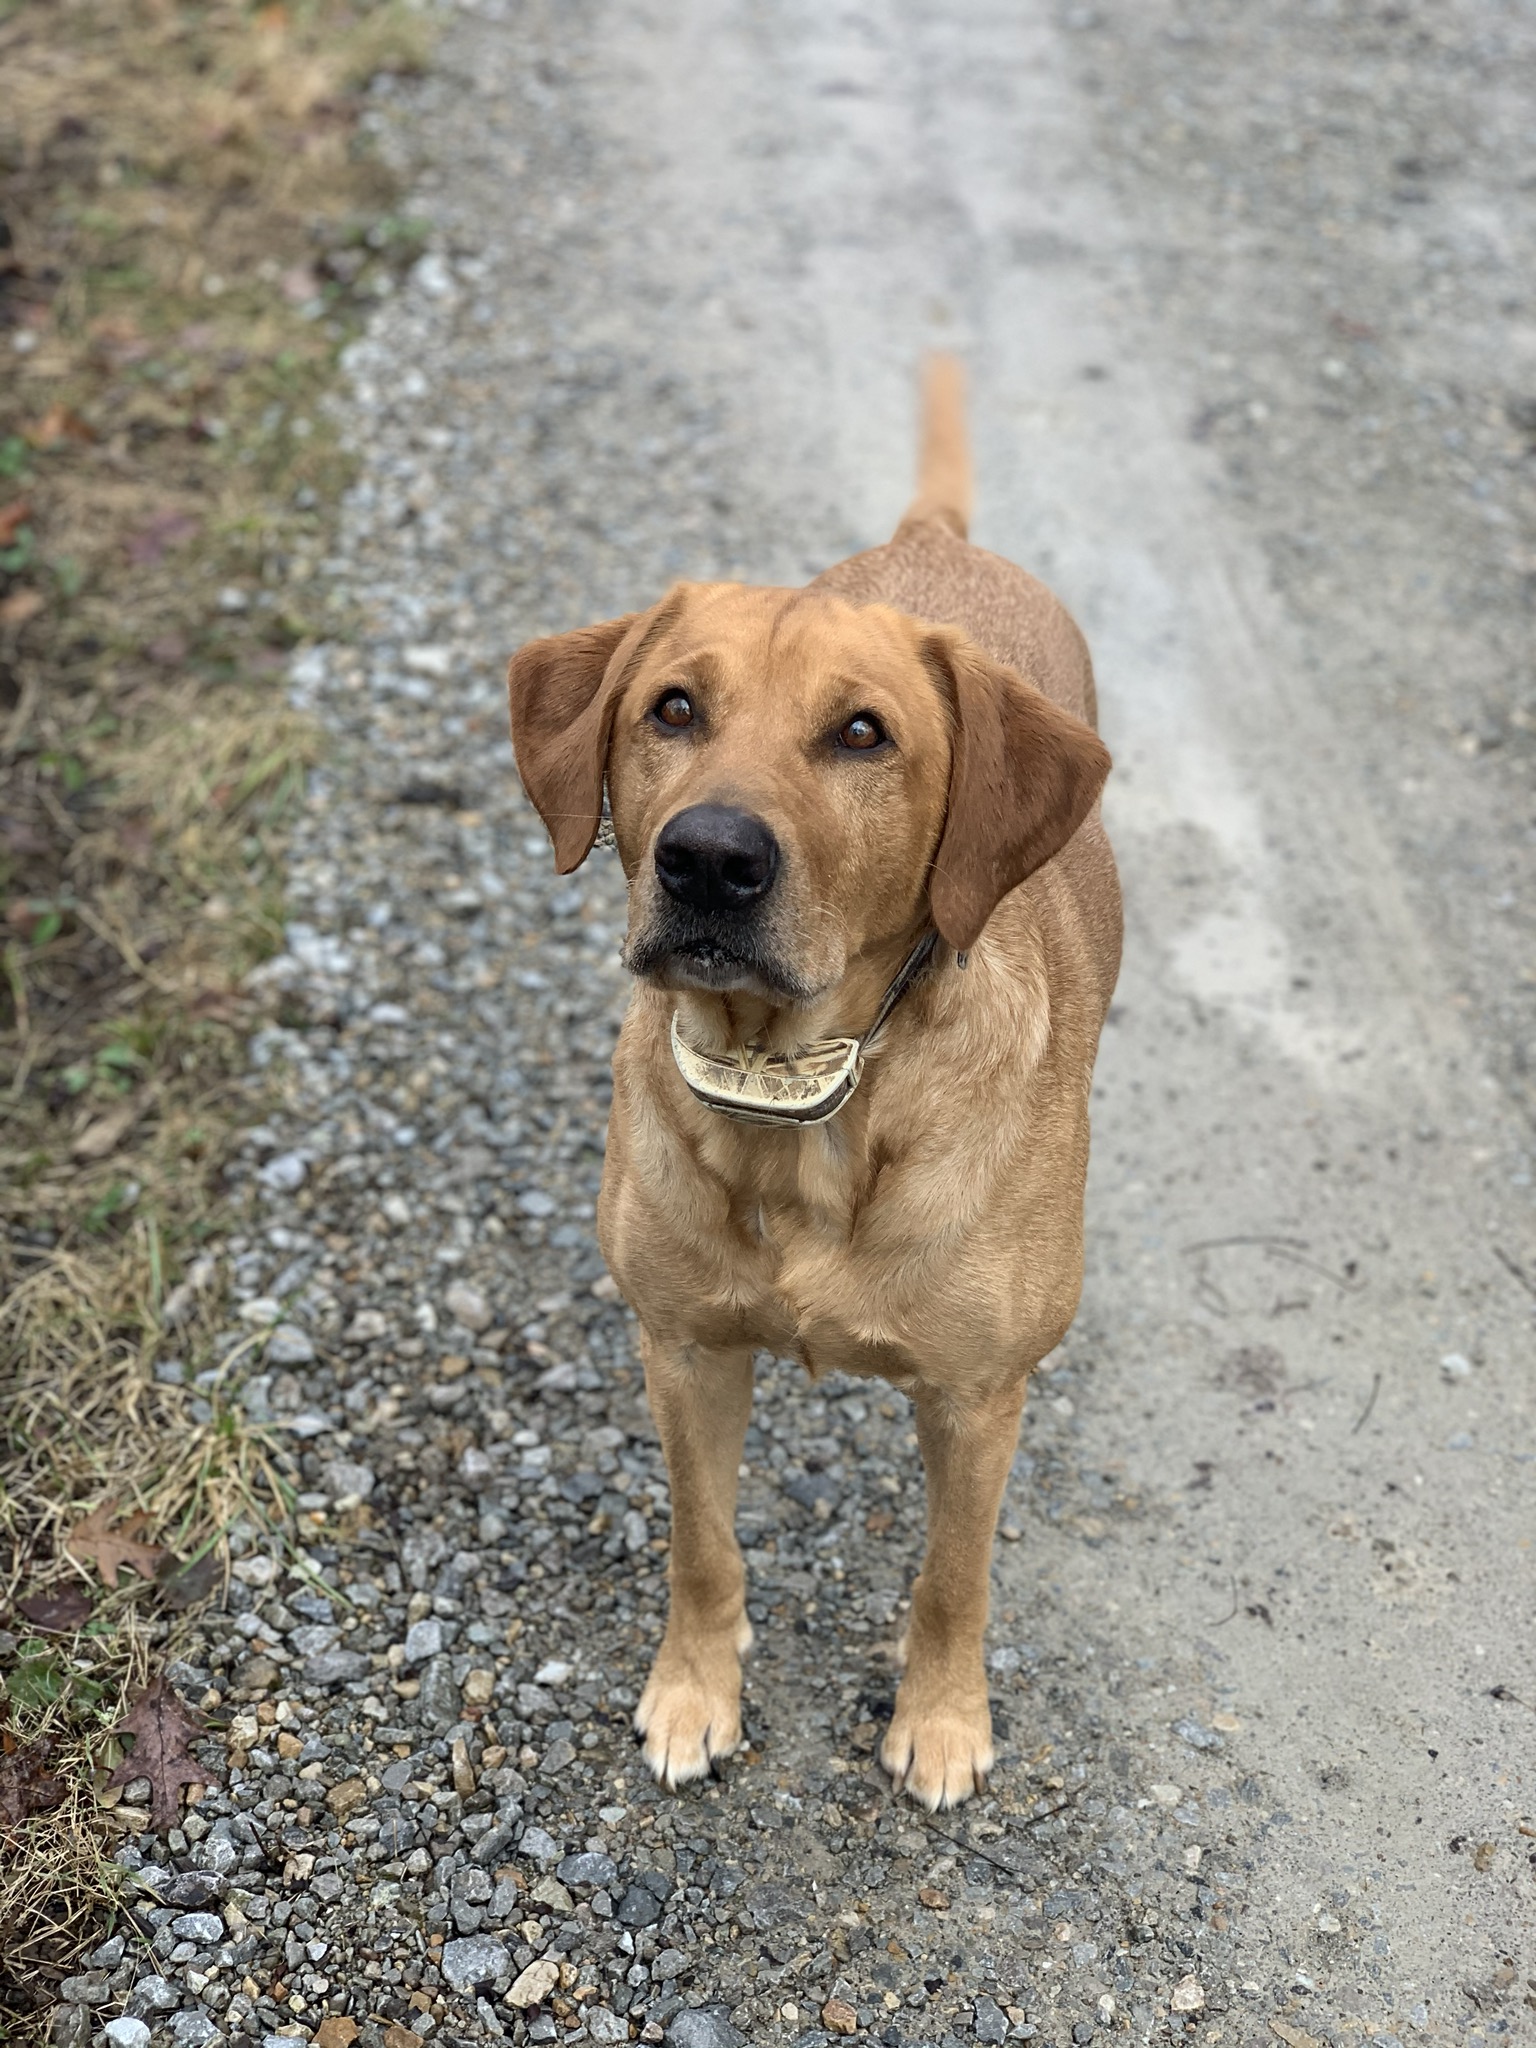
[(714, 857)]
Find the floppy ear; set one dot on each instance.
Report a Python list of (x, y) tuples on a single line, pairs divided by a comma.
[(562, 693), (1023, 776)]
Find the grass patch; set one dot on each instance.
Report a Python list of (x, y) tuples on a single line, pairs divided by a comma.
[(194, 222)]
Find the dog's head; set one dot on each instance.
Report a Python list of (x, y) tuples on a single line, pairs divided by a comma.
[(794, 780)]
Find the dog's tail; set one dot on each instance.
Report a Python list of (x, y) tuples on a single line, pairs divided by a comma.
[(944, 461)]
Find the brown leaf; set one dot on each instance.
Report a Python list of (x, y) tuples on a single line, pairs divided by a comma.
[(94, 1538), (11, 517), (161, 1727), (163, 530), (224, 1005), (60, 1611), (25, 1787), (335, 2031), (58, 423), (20, 606), (183, 1585), (107, 1132)]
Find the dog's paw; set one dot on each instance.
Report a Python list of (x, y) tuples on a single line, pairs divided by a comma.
[(690, 1711), (938, 1754)]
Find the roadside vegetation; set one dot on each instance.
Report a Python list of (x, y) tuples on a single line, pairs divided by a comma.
[(192, 222)]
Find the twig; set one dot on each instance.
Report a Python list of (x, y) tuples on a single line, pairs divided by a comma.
[(26, 704), (1291, 1249), (1517, 1271), (1364, 1416), (1236, 1603)]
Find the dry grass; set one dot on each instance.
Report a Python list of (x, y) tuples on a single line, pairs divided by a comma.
[(196, 222)]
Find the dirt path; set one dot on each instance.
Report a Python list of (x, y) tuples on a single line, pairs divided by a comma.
[(1264, 1599)]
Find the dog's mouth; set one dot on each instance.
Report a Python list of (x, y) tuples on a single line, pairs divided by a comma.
[(704, 952)]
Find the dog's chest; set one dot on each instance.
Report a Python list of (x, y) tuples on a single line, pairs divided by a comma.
[(818, 1285)]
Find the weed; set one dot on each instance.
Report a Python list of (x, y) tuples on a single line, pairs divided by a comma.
[(173, 296)]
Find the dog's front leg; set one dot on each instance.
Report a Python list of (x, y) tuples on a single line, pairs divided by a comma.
[(939, 1744), (690, 1711)]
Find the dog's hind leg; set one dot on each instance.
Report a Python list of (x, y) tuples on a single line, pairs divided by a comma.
[(938, 1747), (690, 1711)]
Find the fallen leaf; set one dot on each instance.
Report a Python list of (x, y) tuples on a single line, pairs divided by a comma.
[(111, 1549), (107, 1132), (58, 423), (161, 1728), (20, 606), (839, 2017), (118, 341), (935, 1901), (224, 1005), (60, 1612), (183, 1585), (11, 518), (163, 530), (336, 2031), (25, 1787)]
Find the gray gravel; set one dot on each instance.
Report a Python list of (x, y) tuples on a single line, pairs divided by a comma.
[(616, 364)]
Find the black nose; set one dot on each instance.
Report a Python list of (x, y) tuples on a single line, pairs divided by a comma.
[(712, 857)]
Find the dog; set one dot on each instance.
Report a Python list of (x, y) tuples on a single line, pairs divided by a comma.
[(875, 925)]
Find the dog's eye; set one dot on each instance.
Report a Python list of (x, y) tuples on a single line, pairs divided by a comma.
[(675, 709), (862, 732)]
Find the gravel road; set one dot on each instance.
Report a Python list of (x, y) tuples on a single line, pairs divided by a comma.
[(1245, 294)]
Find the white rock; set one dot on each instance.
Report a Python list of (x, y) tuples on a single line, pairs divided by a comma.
[(343, 1480), (1455, 1366), (475, 1466), (1188, 1995), (436, 662), (423, 1639), (555, 1672), (535, 1984), (467, 1305), (289, 1345), (366, 1327), (259, 1570), (126, 2032), (478, 1961), (284, 1174)]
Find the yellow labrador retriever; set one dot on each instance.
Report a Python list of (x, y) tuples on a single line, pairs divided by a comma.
[(874, 923)]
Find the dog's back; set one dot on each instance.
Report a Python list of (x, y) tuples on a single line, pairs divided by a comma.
[(930, 570)]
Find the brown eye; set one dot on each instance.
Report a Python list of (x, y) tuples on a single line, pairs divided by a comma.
[(675, 709), (861, 733)]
